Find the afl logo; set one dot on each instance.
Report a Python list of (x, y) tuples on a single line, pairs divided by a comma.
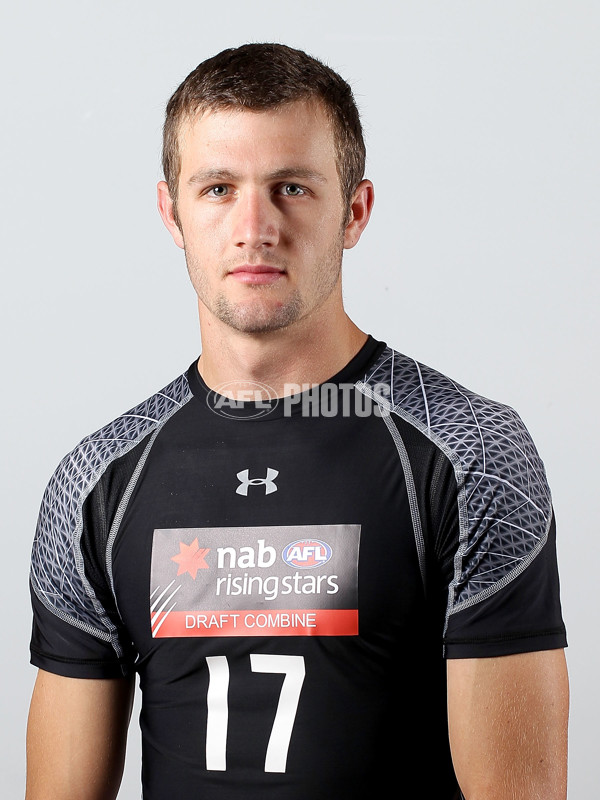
[(307, 553), (242, 400)]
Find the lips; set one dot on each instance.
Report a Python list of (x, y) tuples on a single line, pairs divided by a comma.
[(256, 274)]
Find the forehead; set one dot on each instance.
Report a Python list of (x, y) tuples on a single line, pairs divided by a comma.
[(298, 133)]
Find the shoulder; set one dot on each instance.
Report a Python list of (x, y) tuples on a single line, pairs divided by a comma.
[(471, 429), (83, 465), (504, 501), (56, 555)]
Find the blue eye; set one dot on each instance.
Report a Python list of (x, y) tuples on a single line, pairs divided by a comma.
[(219, 191)]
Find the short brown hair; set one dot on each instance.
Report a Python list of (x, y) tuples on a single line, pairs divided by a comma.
[(258, 77)]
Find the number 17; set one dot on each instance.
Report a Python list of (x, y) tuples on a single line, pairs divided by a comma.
[(218, 713)]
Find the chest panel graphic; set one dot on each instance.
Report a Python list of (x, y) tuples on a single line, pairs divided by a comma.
[(297, 580)]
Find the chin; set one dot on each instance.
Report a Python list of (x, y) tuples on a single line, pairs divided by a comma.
[(258, 318)]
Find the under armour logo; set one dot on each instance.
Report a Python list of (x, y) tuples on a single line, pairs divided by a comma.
[(246, 481)]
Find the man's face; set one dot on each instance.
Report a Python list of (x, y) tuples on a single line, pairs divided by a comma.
[(261, 215)]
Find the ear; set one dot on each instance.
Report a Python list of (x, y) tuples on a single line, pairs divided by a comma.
[(166, 208), (360, 212)]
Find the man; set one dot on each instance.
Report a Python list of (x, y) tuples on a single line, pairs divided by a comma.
[(332, 567)]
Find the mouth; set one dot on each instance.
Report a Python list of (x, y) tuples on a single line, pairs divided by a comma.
[(256, 274)]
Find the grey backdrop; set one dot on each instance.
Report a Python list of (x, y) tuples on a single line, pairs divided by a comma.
[(482, 124)]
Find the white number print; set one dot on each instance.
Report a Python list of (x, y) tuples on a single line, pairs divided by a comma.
[(218, 713)]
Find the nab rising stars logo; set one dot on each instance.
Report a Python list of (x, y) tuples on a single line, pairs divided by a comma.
[(307, 554)]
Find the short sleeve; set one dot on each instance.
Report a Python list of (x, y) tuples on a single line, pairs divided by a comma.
[(76, 630), (503, 594), (493, 536), (523, 615)]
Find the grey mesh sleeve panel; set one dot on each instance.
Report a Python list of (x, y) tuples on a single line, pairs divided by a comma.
[(57, 570), (503, 496)]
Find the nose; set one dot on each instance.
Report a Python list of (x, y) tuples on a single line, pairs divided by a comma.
[(256, 220)]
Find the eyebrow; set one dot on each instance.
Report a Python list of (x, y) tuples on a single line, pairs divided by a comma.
[(285, 173)]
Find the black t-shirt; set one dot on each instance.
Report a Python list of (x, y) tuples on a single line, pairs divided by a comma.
[(287, 576)]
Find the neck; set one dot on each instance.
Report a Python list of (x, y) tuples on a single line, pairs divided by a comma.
[(308, 352)]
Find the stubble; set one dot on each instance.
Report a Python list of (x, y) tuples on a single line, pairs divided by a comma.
[(263, 311)]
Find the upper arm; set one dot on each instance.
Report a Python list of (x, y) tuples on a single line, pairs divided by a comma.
[(507, 721), (76, 736)]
